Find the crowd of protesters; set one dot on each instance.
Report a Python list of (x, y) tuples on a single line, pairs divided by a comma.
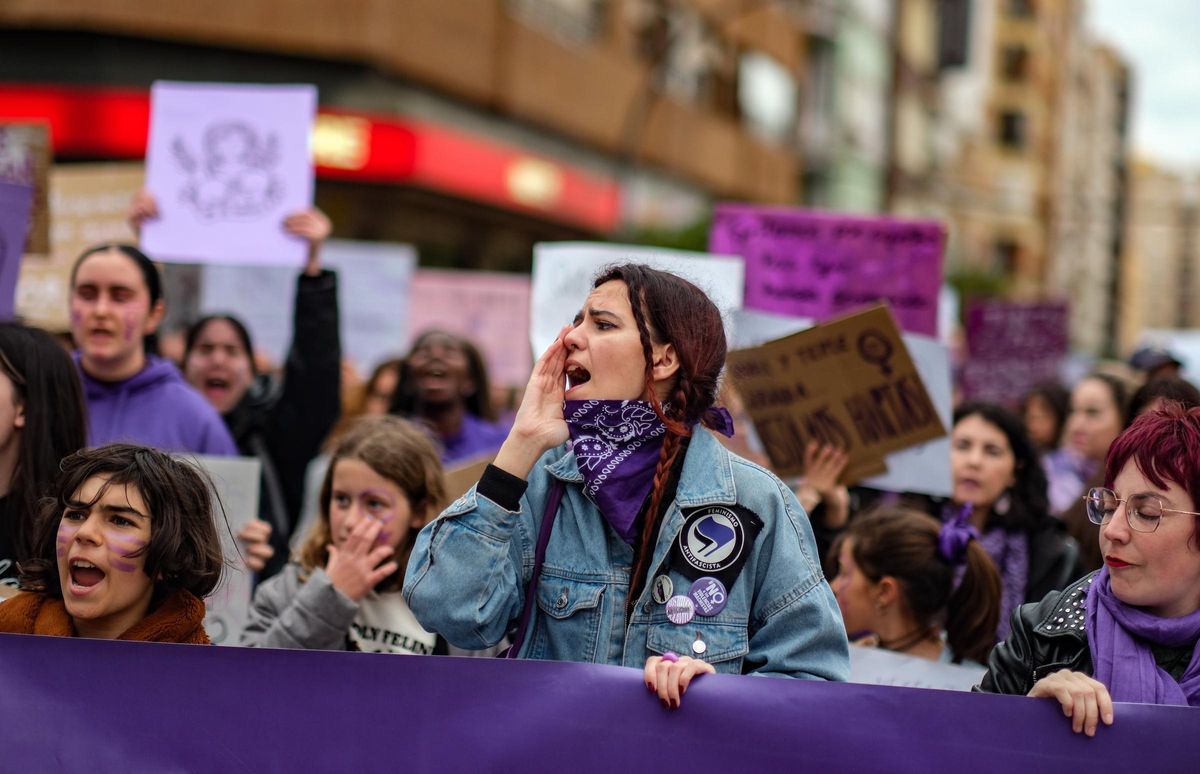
[(614, 524)]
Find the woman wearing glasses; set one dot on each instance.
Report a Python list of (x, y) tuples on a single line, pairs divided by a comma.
[(1128, 632)]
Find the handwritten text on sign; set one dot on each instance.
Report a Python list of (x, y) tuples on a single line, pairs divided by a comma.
[(818, 265), (1013, 347), (850, 383)]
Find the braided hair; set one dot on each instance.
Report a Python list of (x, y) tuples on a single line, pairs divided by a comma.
[(669, 309)]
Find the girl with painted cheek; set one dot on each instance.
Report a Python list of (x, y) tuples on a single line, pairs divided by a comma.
[(1000, 490), (1129, 632), (127, 550), (133, 394), (614, 528), (343, 590)]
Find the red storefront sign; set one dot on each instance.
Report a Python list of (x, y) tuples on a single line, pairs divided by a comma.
[(97, 122)]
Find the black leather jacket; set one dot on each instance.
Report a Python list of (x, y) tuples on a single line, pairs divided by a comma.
[(1045, 637)]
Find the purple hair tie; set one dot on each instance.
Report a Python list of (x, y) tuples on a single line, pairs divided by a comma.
[(719, 419), (956, 533)]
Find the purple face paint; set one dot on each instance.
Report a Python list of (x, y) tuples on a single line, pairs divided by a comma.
[(66, 533), (122, 547), (131, 323)]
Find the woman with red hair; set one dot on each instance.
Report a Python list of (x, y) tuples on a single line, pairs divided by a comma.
[(1128, 632)]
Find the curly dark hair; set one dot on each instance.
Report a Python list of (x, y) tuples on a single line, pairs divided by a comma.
[(1030, 502), (184, 552)]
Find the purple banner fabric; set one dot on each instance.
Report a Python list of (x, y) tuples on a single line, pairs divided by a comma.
[(16, 202), (1012, 347), (112, 706), (805, 263)]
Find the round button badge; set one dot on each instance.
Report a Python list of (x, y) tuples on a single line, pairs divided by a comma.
[(663, 589), (680, 609), (709, 596)]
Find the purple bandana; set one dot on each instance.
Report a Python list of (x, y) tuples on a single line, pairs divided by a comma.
[(1119, 636), (616, 444)]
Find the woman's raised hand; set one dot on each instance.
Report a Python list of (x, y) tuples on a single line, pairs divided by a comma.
[(1083, 699), (141, 209), (312, 226), (539, 423), (669, 678), (256, 542), (359, 565)]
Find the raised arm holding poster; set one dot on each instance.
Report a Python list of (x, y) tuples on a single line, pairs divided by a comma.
[(226, 164), (849, 382), (805, 263), (563, 273), (16, 202)]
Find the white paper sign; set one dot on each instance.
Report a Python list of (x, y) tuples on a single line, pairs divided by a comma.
[(925, 468), (563, 274), (373, 292), (226, 164), (236, 480), (874, 666)]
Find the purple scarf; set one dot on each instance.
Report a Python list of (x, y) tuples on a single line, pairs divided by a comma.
[(1119, 637), (616, 445), (1010, 552)]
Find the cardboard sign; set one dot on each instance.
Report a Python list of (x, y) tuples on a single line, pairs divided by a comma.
[(460, 478), (25, 160), (89, 204), (1012, 347), (804, 263), (563, 274), (16, 201), (373, 293), (849, 382), (226, 164), (485, 307), (236, 482)]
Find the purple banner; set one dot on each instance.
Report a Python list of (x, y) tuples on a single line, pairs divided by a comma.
[(69, 704), (16, 204), (1011, 347), (805, 263)]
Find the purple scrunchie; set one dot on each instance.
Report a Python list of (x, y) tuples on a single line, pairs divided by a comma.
[(719, 419), (955, 534)]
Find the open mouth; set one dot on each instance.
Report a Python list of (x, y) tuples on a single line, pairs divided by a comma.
[(577, 375), (216, 383), (84, 574)]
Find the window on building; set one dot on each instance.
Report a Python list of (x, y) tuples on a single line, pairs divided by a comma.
[(1014, 63), (954, 33), (1005, 254), (577, 21), (1022, 9), (767, 97), (1013, 130)]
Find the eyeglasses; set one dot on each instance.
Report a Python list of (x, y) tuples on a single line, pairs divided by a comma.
[(1142, 511)]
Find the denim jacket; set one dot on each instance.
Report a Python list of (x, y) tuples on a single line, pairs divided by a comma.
[(470, 568)]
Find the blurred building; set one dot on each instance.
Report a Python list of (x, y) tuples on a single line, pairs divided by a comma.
[(1158, 277), (472, 128)]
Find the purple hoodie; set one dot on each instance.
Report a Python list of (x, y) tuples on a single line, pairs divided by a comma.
[(154, 407)]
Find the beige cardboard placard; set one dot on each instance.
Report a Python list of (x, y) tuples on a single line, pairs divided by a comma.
[(849, 382), (89, 203), (25, 158), (459, 479)]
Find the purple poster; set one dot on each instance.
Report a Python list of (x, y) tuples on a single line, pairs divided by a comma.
[(98, 705), (226, 164), (1011, 347), (16, 202), (805, 263)]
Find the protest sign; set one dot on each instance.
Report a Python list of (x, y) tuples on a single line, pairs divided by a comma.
[(563, 274), (373, 293), (226, 164), (16, 201), (877, 666), (236, 483), (193, 708), (849, 382), (805, 263), (89, 204), (1013, 346), (460, 478), (25, 160), (485, 307)]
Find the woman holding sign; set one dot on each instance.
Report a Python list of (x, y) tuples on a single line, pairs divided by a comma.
[(614, 528), (1131, 631)]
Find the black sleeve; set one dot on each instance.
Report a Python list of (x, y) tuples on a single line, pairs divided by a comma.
[(1010, 665), (502, 488), (310, 402)]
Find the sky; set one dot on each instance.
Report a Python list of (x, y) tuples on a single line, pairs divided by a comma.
[(1160, 39)]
